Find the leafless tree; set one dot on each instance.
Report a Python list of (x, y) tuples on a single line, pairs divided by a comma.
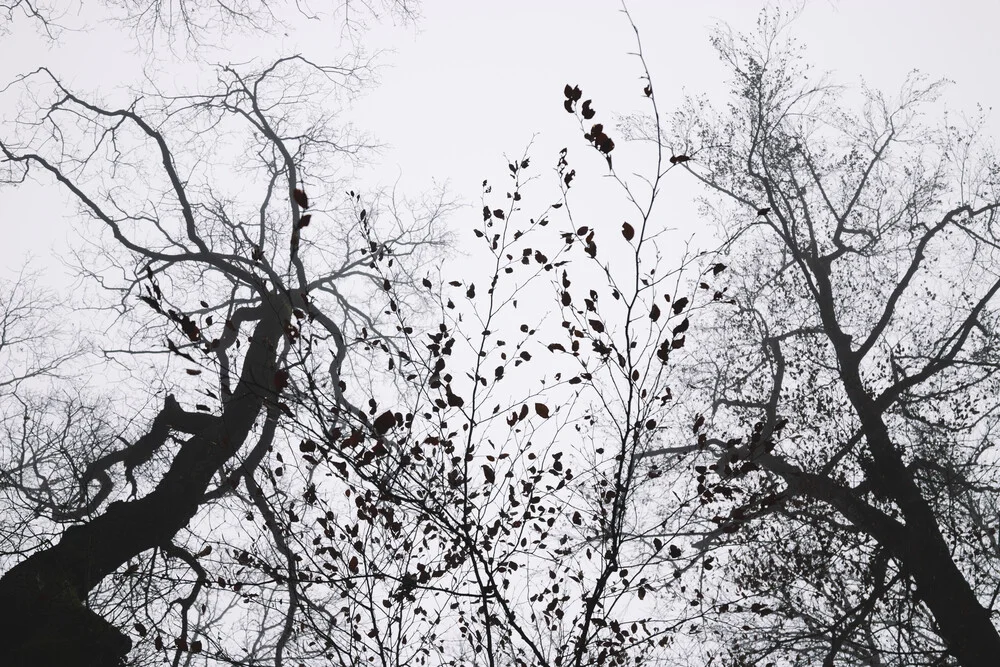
[(241, 293), (197, 23), (853, 381)]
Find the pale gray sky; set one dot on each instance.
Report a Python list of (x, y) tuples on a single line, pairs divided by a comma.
[(482, 77), (476, 79)]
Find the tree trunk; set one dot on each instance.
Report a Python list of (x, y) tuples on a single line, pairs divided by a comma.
[(43, 618), (963, 622)]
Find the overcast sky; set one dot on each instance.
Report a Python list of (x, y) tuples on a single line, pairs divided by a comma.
[(475, 79), (481, 78)]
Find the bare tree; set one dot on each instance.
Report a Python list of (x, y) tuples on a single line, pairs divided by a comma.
[(853, 381), (235, 288), (346, 456), (197, 23)]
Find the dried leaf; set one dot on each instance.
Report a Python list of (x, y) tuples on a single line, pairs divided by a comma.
[(384, 422), (300, 198)]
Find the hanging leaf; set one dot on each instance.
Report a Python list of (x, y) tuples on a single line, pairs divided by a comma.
[(151, 303), (542, 410), (488, 474), (454, 400), (300, 198), (628, 231), (698, 423), (654, 312), (384, 422), (586, 111)]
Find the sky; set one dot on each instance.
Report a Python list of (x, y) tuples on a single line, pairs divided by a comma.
[(482, 78), (475, 81), (479, 80)]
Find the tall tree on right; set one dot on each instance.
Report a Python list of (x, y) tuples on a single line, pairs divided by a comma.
[(854, 378)]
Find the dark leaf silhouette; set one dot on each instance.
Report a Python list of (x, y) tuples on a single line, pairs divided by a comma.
[(573, 93), (384, 422), (454, 400), (152, 303), (627, 231), (300, 198)]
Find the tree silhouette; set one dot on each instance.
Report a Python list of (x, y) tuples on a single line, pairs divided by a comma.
[(853, 381), (197, 23), (222, 285), (345, 455), (313, 434)]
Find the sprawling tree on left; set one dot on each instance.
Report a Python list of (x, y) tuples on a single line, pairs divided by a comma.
[(238, 285)]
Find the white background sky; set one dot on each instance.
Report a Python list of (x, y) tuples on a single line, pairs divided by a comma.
[(476, 80)]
